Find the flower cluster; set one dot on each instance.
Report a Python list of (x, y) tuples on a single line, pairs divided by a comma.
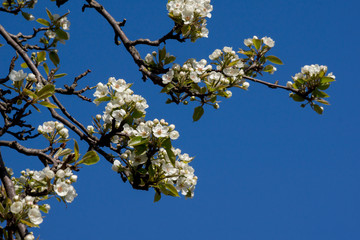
[(227, 72), (266, 40), (312, 80), (190, 16), (54, 131), (144, 146), (59, 21), (122, 101), (35, 186)]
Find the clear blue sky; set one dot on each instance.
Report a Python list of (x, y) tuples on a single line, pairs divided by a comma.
[(267, 168)]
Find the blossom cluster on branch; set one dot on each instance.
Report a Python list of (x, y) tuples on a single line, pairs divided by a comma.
[(141, 151)]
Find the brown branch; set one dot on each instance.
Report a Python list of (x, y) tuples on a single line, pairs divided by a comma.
[(10, 191), (169, 35), (19, 48), (29, 151)]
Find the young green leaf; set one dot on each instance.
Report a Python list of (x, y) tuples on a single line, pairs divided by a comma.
[(90, 158), (40, 57), (257, 43), (54, 58), (59, 75), (43, 22), (46, 91), (61, 34), (48, 105), (136, 141), (318, 109), (275, 60), (198, 112), (76, 150)]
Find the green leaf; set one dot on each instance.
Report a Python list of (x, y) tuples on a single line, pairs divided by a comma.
[(43, 22), (136, 141), (233, 63), (168, 147), (172, 190), (157, 196), (61, 34), (48, 105), (30, 93), (46, 91), (41, 56), (320, 94), (46, 68), (64, 152), (268, 68), (297, 98), (275, 60), (141, 149), (27, 16), (185, 30), (318, 109), (1, 45), (54, 58), (198, 112), (167, 88), (43, 209), (59, 75), (322, 101), (170, 59), (76, 150), (90, 158), (24, 65), (49, 15), (327, 80), (36, 108), (29, 224), (162, 54), (257, 43), (103, 99)]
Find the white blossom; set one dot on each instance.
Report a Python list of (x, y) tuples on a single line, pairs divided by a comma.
[(16, 207), (16, 76), (35, 216)]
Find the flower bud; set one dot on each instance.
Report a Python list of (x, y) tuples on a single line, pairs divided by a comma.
[(98, 117), (73, 178)]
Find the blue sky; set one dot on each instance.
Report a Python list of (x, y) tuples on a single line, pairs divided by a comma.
[(267, 168)]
